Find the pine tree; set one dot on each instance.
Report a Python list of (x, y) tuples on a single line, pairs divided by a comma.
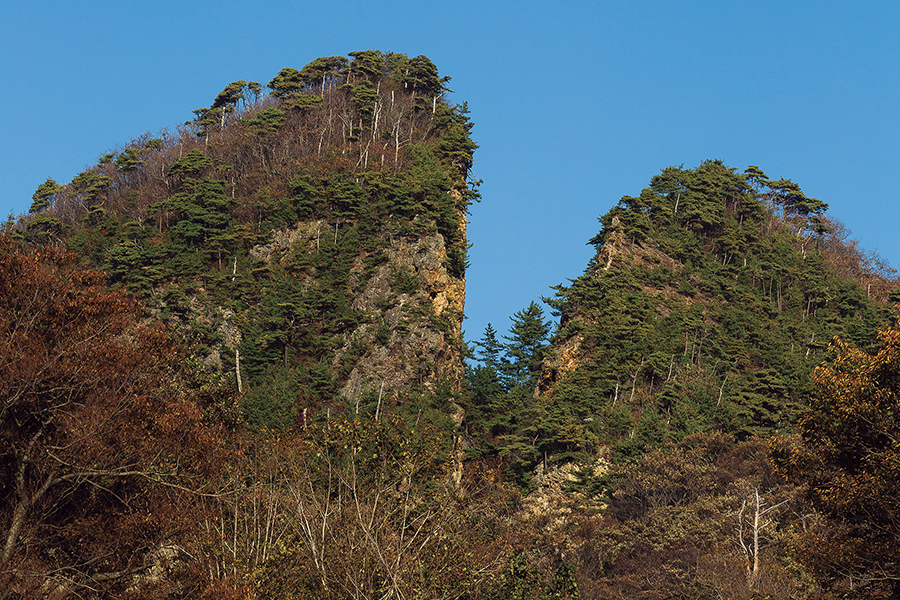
[(490, 349), (527, 346), (44, 196)]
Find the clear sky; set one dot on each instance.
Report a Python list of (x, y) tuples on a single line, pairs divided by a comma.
[(575, 104)]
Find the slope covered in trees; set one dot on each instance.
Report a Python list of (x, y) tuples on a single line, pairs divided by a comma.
[(306, 247), (689, 342), (301, 239), (234, 369), (711, 297)]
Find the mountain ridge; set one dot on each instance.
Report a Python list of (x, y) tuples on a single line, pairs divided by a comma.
[(312, 423)]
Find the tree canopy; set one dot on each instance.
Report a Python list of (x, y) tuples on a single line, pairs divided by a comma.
[(848, 454), (91, 429)]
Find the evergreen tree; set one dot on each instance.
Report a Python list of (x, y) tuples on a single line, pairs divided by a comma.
[(319, 71), (526, 346), (490, 348), (129, 160), (231, 95), (44, 196), (89, 184), (289, 82)]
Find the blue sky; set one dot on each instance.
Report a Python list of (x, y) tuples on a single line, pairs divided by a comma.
[(575, 104)]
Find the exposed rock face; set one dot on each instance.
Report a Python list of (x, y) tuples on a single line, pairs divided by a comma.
[(562, 360), (306, 233), (424, 324), (413, 337), (551, 502)]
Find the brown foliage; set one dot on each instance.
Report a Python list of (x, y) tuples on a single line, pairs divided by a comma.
[(248, 158), (95, 446), (868, 269), (674, 524), (848, 454), (351, 508)]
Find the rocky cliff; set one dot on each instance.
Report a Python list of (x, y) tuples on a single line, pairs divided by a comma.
[(412, 305), (309, 243)]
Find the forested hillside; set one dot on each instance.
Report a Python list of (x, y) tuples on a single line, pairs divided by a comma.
[(304, 245), (688, 344), (309, 233), (234, 369), (711, 297)]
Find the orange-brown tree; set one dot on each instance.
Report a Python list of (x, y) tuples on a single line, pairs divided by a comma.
[(850, 456), (96, 443)]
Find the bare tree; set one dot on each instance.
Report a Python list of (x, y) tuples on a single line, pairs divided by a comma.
[(751, 521)]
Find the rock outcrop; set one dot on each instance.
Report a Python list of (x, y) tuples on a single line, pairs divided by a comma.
[(411, 338)]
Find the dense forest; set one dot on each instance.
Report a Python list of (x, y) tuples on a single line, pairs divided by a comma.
[(234, 368)]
